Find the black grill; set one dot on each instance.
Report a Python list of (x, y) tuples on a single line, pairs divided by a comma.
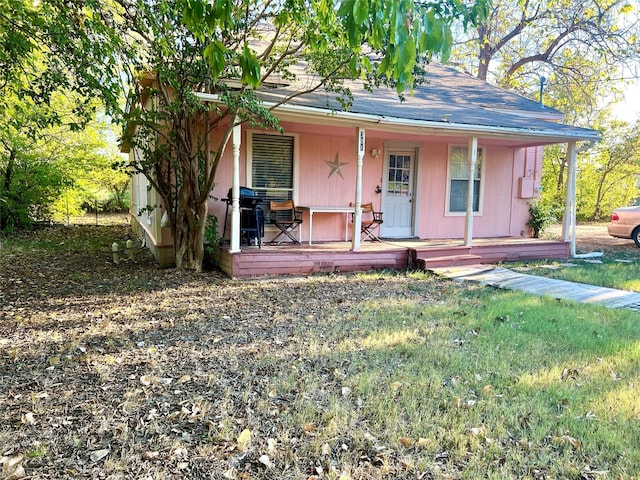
[(251, 216), (248, 198)]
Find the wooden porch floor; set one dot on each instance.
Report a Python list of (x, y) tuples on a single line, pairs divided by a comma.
[(303, 259)]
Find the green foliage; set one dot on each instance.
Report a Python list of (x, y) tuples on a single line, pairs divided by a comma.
[(402, 30), (51, 171), (211, 235), (54, 155), (539, 217), (29, 179), (607, 174), (554, 172), (609, 178), (33, 185), (574, 44), (52, 45)]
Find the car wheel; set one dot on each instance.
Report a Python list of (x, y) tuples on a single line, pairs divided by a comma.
[(636, 236)]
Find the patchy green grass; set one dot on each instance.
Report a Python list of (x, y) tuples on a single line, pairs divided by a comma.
[(617, 267), (605, 272), (487, 384)]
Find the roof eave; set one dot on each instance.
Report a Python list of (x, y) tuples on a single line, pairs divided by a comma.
[(322, 116)]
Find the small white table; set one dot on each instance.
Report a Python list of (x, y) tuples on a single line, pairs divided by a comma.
[(329, 209)]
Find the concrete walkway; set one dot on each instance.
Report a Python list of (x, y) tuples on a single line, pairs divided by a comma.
[(508, 279)]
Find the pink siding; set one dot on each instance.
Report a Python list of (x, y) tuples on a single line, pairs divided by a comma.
[(504, 213)]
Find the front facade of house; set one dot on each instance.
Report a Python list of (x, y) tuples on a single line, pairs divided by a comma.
[(418, 182), (460, 159)]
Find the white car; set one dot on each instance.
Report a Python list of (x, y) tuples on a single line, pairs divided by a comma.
[(625, 223)]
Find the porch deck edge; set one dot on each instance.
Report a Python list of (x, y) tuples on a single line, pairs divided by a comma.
[(336, 257)]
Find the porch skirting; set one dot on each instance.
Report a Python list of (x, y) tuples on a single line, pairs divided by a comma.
[(287, 259)]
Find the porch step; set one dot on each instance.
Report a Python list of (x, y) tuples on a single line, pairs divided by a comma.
[(441, 250), (448, 261)]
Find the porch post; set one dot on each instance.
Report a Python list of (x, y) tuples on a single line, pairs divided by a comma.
[(473, 159), (569, 218), (235, 191), (357, 218)]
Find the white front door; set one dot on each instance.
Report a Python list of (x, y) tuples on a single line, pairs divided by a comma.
[(397, 194)]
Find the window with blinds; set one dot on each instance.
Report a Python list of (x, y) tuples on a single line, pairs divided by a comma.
[(459, 179), (272, 168)]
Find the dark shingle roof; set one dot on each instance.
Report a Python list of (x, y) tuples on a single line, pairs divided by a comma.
[(447, 98)]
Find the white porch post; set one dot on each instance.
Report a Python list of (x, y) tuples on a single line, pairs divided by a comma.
[(569, 218), (473, 159), (234, 246), (357, 218)]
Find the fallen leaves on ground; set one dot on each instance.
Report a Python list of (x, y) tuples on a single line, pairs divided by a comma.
[(131, 371)]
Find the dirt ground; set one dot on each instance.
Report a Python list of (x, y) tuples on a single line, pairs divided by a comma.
[(130, 371), (595, 238)]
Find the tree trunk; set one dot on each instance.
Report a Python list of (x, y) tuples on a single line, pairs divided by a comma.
[(483, 65), (485, 53), (8, 176), (191, 218), (597, 208), (189, 242)]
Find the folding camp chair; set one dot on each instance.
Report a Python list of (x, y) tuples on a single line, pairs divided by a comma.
[(286, 217), (371, 221)]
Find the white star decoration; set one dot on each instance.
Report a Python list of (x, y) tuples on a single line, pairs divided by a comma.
[(336, 167)]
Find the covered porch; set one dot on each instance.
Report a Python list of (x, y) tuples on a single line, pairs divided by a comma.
[(459, 160), (488, 226), (329, 257), (240, 261), (462, 164)]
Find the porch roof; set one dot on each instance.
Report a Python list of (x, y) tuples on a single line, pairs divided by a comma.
[(448, 103)]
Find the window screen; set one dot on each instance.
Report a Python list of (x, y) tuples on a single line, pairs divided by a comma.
[(459, 178)]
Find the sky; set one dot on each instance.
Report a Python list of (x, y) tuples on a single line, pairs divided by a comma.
[(629, 108)]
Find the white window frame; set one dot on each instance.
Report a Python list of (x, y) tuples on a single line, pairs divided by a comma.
[(482, 157), (296, 160), (143, 197)]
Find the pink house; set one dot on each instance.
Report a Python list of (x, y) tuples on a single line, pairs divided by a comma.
[(452, 168)]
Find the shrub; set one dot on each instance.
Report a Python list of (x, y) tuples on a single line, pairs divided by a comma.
[(211, 237), (539, 217)]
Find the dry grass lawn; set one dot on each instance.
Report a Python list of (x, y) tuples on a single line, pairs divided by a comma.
[(128, 371)]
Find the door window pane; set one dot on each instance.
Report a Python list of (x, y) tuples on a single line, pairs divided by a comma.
[(399, 175)]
